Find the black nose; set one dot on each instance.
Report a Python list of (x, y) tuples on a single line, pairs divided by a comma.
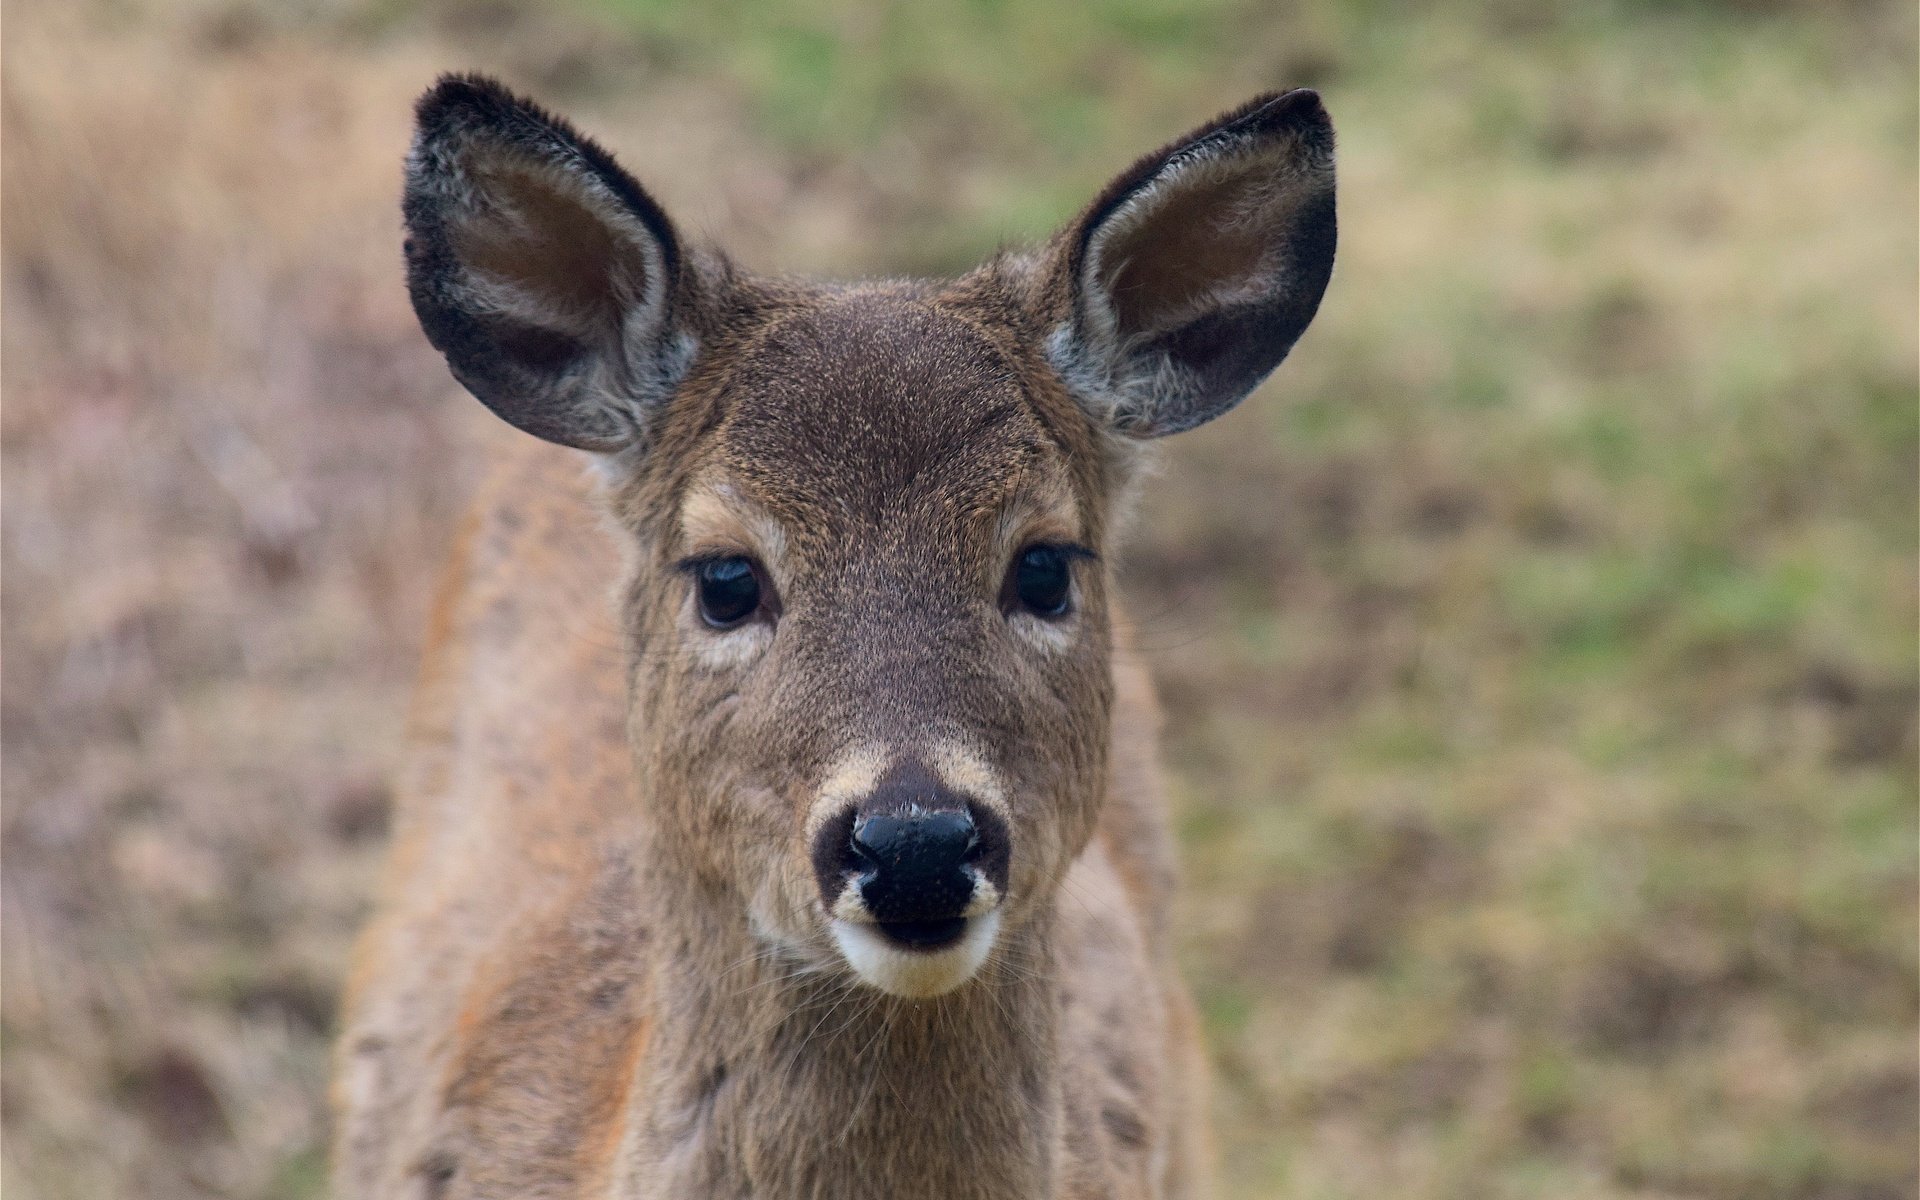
[(913, 864), (913, 851)]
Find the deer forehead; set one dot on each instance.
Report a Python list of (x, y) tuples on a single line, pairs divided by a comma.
[(879, 424)]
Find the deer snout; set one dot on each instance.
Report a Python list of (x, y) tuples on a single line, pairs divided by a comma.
[(910, 873)]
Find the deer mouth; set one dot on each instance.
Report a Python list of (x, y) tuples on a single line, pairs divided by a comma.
[(917, 960)]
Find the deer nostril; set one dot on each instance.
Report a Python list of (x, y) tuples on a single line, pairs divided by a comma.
[(856, 859)]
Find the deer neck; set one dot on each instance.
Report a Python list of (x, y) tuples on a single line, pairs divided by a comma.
[(765, 1079)]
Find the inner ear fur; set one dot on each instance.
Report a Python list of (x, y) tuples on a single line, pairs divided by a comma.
[(1193, 274), (541, 246), (543, 272)]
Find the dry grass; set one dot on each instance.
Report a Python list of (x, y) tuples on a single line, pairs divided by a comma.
[(1540, 645)]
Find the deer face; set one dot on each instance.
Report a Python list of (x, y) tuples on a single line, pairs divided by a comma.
[(872, 635), (868, 610)]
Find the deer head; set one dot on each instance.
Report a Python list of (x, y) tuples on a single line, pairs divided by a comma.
[(869, 610)]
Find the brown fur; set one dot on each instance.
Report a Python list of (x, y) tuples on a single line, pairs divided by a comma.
[(600, 967)]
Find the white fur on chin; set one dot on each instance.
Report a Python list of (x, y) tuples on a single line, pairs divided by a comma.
[(915, 974)]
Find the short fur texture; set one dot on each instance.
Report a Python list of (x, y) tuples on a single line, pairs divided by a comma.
[(605, 963)]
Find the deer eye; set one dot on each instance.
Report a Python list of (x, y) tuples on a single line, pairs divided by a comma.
[(1042, 581), (728, 590)]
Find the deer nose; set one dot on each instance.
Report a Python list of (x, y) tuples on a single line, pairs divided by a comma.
[(913, 860), (914, 864)]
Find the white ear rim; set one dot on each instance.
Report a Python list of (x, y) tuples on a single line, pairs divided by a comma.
[(584, 350)]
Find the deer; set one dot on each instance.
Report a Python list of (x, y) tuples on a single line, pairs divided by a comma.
[(781, 814)]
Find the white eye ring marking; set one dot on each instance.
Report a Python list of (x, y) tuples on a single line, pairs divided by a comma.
[(722, 649), (1052, 634)]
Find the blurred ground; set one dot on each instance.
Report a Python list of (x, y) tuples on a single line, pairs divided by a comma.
[(1539, 646)]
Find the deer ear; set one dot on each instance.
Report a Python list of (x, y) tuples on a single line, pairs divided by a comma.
[(1193, 273), (541, 270)]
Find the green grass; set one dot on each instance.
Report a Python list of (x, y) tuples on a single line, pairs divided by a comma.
[(1539, 647), (1545, 755), (1543, 638)]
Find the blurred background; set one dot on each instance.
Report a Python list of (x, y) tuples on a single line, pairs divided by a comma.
[(1539, 646)]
